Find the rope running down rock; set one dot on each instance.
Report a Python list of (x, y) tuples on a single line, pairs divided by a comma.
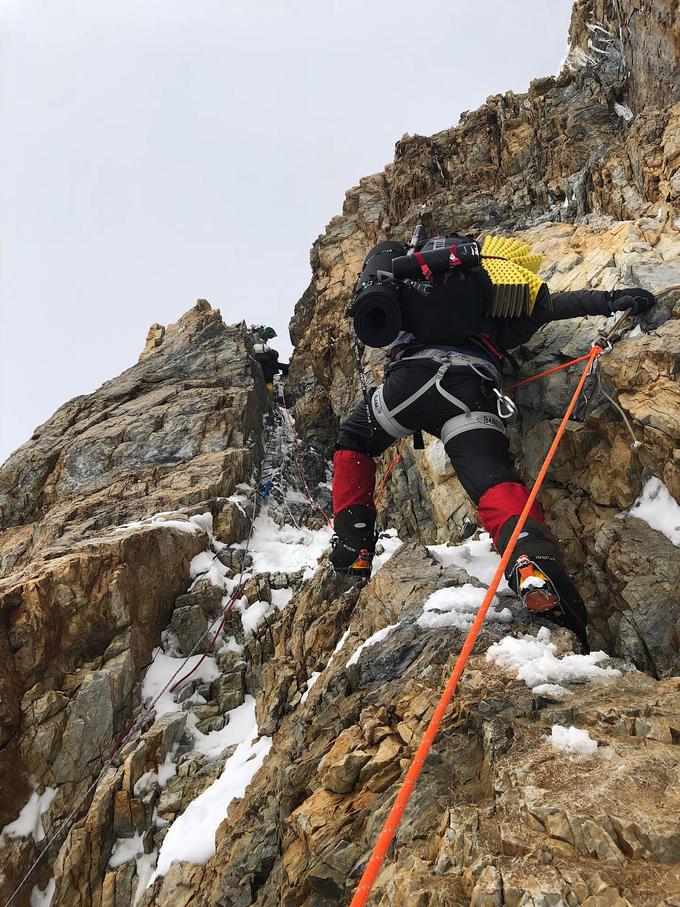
[(391, 825)]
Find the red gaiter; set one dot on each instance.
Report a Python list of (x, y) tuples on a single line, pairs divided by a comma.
[(503, 501), (353, 480)]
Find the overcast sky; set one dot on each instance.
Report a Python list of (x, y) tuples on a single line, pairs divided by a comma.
[(157, 151)]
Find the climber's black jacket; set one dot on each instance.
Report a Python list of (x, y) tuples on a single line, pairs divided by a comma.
[(269, 362), (511, 332), (508, 333)]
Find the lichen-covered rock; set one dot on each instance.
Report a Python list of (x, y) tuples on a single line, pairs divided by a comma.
[(181, 427)]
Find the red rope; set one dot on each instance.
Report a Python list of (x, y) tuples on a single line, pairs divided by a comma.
[(386, 476), (227, 609), (391, 825), (548, 371)]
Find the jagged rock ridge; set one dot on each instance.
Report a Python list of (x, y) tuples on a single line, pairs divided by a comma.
[(90, 578)]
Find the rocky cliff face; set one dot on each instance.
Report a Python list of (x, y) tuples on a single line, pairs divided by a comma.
[(91, 575), (499, 816), (586, 168), (135, 541)]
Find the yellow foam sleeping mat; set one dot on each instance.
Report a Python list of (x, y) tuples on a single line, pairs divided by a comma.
[(512, 267)]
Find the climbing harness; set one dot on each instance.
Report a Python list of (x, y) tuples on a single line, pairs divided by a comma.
[(469, 419), (505, 406), (391, 825), (466, 421)]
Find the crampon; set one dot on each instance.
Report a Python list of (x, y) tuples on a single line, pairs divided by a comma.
[(354, 562), (535, 589)]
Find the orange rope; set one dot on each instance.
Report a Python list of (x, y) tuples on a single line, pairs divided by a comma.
[(548, 371), (389, 829), (389, 469)]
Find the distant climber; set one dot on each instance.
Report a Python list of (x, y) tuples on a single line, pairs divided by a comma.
[(267, 357), (450, 309)]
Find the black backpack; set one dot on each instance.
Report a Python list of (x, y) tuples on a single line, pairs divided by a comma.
[(438, 291)]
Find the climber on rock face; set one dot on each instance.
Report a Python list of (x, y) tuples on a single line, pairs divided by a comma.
[(267, 357), (449, 309)]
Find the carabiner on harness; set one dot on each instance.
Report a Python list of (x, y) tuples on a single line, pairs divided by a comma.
[(504, 405), (506, 408)]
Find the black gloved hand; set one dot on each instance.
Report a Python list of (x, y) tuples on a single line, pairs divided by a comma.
[(643, 300)]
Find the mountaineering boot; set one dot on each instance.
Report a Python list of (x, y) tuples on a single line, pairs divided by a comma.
[(354, 541), (536, 574)]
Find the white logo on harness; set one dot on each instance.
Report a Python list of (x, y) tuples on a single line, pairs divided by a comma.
[(489, 419)]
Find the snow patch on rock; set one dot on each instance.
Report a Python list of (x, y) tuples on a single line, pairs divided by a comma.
[(658, 508), (476, 556), (572, 740), (192, 835), (276, 549), (371, 641), (624, 111), (533, 660), (316, 674), (29, 820), (551, 691), (164, 669), (390, 543), (125, 849), (40, 898), (456, 606)]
